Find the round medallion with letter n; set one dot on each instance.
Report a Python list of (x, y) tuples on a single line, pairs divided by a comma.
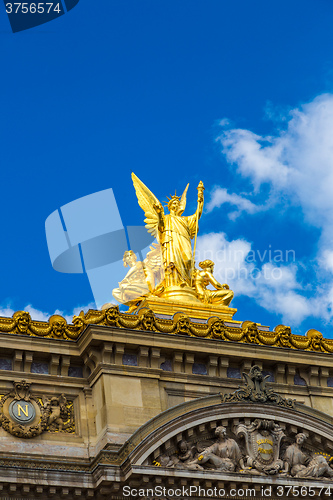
[(23, 412)]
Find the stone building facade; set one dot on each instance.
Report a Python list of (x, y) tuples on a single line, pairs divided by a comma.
[(147, 405)]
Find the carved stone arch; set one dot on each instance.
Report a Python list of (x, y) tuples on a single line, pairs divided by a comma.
[(197, 420)]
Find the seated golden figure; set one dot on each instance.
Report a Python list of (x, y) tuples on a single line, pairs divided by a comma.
[(221, 295), (138, 281)]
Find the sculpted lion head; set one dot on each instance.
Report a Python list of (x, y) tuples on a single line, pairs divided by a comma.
[(284, 336), (256, 373)]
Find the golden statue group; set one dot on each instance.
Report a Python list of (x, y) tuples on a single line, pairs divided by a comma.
[(168, 272)]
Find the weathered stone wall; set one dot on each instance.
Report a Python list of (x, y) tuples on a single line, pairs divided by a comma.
[(119, 379)]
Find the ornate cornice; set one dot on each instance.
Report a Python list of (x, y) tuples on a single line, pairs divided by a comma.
[(215, 328)]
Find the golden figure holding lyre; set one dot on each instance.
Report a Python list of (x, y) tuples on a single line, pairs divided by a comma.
[(136, 283), (168, 273), (141, 278)]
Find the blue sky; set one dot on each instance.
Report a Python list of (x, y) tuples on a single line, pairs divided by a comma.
[(238, 94)]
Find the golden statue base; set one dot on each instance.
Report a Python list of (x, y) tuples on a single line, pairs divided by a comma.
[(192, 308), (180, 294)]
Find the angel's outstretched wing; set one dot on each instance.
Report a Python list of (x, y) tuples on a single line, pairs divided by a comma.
[(182, 203), (150, 205)]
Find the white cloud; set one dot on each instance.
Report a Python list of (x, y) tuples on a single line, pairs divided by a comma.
[(38, 315), (6, 312), (298, 161), (220, 196), (273, 287), (296, 164)]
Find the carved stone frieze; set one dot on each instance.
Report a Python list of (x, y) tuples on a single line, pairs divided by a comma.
[(25, 415), (255, 391), (224, 454), (259, 447)]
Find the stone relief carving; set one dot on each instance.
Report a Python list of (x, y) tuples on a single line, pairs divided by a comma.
[(299, 463), (260, 448), (58, 413), (181, 459), (262, 441), (223, 455), (24, 415), (255, 391)]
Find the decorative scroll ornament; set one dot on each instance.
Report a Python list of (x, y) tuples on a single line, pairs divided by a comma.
[(255, 391), (24, 415)]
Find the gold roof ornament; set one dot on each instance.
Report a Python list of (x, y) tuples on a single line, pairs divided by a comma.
[(214, 328)]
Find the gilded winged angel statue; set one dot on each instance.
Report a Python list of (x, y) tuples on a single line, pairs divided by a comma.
[(168, 272), (174, 233)]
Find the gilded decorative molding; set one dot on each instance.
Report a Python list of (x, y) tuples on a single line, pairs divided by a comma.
[(255, 391), (24, 415), (22, 324), (145, 320)]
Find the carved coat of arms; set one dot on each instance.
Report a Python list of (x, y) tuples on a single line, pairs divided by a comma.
[(262, 443)]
